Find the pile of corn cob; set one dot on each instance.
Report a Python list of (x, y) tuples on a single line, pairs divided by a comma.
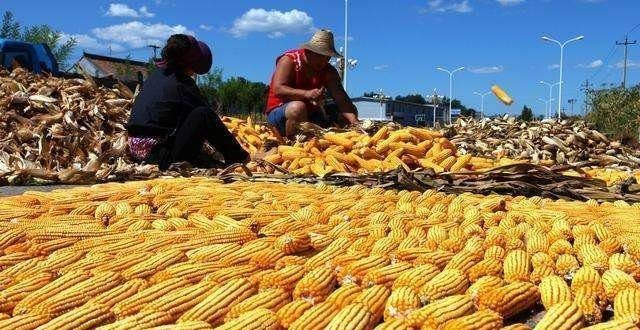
[(251, 136), (198, 254), (385, 150)]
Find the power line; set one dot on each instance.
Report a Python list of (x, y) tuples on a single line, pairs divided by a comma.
[(626, 44)]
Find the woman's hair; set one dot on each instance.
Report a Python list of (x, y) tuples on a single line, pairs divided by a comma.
[(173, 53)]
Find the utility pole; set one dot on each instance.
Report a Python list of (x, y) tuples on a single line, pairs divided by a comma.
[(586, 88), (155, 50), (572, 101), (626, 44)]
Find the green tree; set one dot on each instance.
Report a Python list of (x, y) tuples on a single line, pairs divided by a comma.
[(526, 114), (234, 96), (412, 98), (10, 28), (43, 33), (616, 111)]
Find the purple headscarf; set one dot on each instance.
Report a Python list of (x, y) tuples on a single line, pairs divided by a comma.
[(198, 57)]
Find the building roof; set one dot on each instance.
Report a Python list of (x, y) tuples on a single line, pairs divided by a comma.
[(389, 100), (121, 68)]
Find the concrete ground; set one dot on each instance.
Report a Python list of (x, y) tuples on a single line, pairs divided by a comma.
[(18, 190)]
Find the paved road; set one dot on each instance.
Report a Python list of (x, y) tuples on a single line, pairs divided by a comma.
[(17, 190)]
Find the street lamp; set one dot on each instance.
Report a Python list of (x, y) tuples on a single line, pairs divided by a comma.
[(482, 95), (450, 86), (548, 109), (346, 41), (547, 103), (561, 60), (434, 103)]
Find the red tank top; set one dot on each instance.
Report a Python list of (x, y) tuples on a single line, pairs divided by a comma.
[(302, 79)]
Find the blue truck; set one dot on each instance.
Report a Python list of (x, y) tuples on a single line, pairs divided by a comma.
[(35, 57)]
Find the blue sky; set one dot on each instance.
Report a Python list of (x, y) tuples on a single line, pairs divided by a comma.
[(398, 43)]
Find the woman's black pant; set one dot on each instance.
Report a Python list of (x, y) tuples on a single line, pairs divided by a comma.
[(200, 125)]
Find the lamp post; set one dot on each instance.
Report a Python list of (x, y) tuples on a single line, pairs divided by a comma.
[(346, 41), (434, 103), (562, 45), (548, 109), (482, 95), (547, 103), (450, 86)]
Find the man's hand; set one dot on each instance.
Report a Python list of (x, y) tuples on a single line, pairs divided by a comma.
[(314, 94)]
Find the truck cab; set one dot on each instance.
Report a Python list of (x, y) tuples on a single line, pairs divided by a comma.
[(35, 57)]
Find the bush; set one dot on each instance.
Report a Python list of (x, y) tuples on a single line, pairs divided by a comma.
[(616, 112)]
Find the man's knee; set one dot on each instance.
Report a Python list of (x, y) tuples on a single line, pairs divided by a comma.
[(296, 110)]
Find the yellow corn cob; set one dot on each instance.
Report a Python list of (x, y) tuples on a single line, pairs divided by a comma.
[(24, 322), (10, 296), (614, 325), (316, 317), (85, 317), (559, 247), (446, 283), (484, 268), (393, 324), (288, 261), (510, 299), (536, 242), (154, 264), (218, 302), (566, 263), (104, 212), (440, 311), (463, 261), (625, 263), (564, 315), (483, 284), (181, 300), (437, 258), (355, 316), (344, 295), (339, 139), (271, 299), (592, 255), (144, 319), (260, 318), (460, 163), (316, 285), (60, 284), (480, 320), (374, 298), (587, 301), (541, 272), (119, 293), (290, 312), (587, 277), (334, 249), (265, 259), (516, 266), (212, 252), (553, 290), (385, 275), (615, 280), (142, 209), (610, 245), (495, 252), (354, 271), (626, 305), (292, 243), (401, 302), (285, 278)]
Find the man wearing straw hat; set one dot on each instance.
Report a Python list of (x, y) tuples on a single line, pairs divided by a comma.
[(298, 86)]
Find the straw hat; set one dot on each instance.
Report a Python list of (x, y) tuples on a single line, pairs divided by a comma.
[(322, 43)]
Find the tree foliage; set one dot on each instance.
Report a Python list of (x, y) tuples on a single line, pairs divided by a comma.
[(616, 111), (412, 98), (42, 33), (526, 114), (234, 96)]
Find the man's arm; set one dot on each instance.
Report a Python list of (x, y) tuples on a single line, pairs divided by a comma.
[(345, 106), (283, 79)]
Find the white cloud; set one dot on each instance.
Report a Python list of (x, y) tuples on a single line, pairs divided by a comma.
[(205, 27), (272, 22), (509, 2), (487, 69), (592, 65), (123, 10), (441, 6), (381, 67), (137, 34), (553, 66), (91, 44), (631, 64)]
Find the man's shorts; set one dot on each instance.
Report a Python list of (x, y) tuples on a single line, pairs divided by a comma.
[(278, 119)]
